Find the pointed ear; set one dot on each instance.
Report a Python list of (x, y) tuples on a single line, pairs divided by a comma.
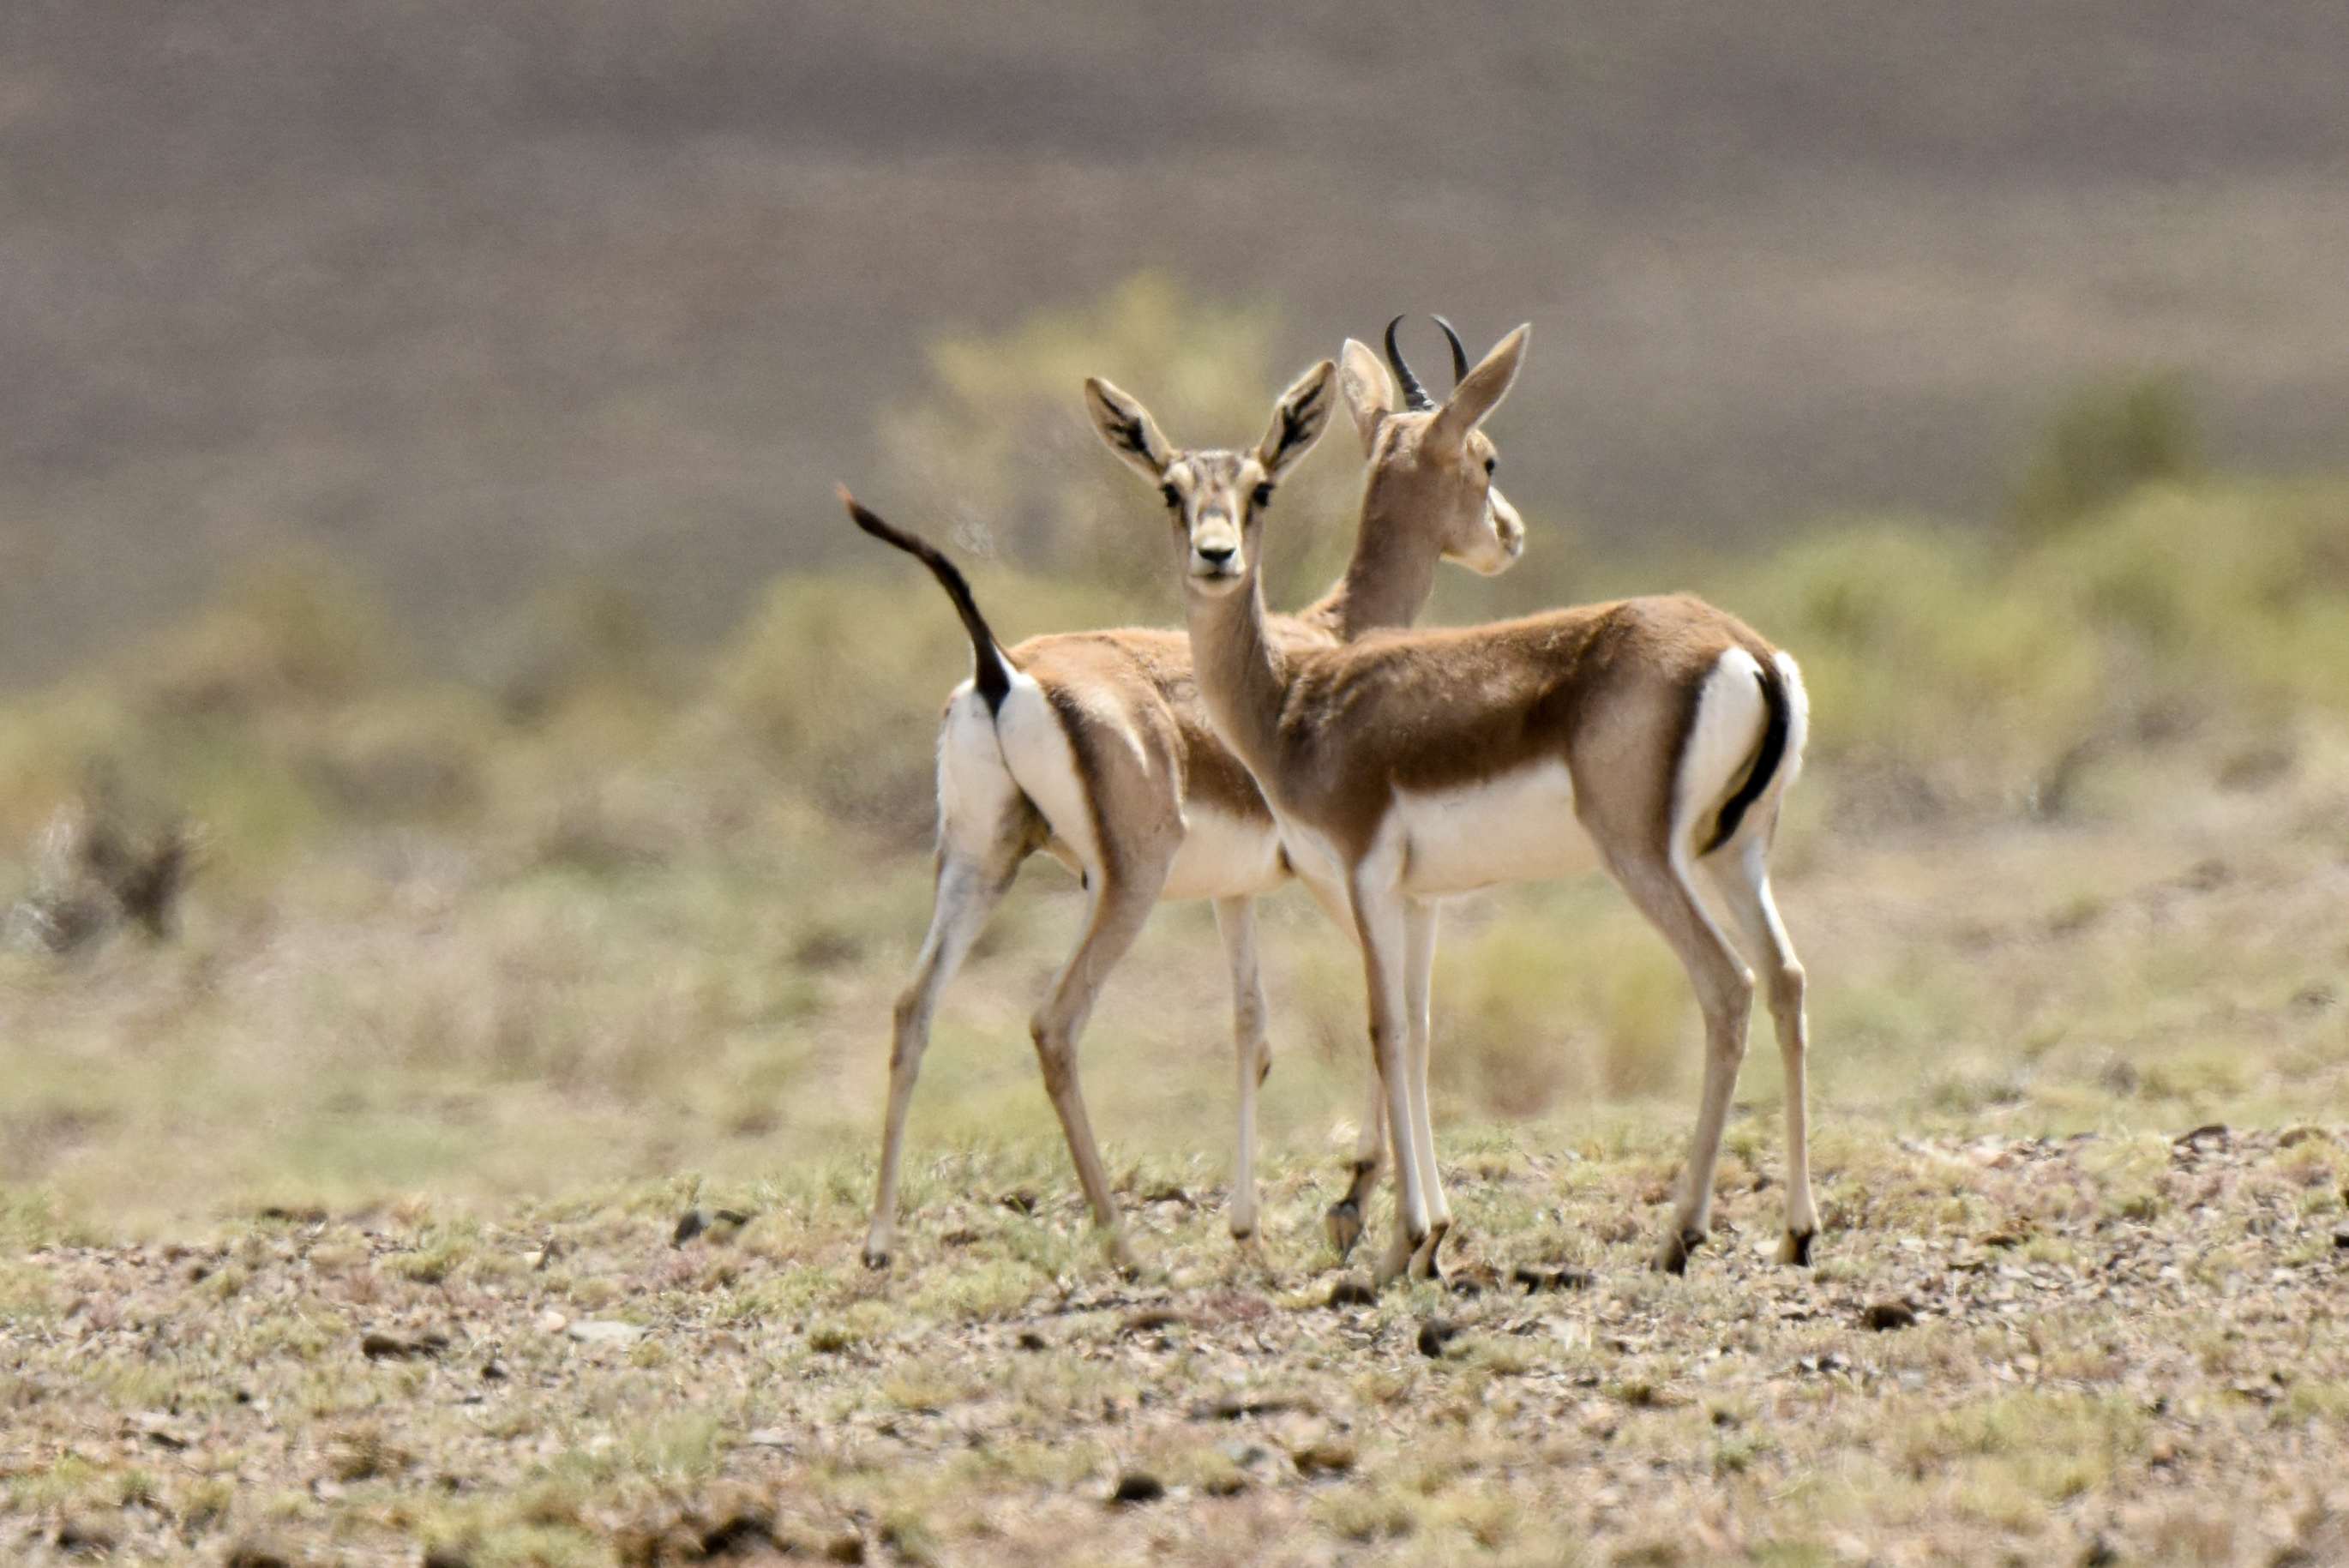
[(1368, 390), (1481, 390), (1128, 429), (1298, 420)]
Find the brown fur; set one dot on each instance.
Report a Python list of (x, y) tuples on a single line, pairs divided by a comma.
[(1336, 734)]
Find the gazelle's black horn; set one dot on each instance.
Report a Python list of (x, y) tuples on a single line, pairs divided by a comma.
[(1414, 396), (1459, 354)]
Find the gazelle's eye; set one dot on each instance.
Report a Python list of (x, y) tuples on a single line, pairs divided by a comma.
[(1264, 495), (1173, 497), (1490, 464)]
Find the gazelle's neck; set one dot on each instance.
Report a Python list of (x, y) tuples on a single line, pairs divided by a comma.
[(1241, 677), (1387, 582)]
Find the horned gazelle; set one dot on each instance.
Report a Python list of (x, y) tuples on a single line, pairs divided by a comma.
[(1094, 746), (1659, 732)]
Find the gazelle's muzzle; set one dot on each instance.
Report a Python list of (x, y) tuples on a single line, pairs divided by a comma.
[(1503, 539), (1216, 554)]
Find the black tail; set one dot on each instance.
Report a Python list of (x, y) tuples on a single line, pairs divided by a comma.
[(1766, 760), (993, 673)]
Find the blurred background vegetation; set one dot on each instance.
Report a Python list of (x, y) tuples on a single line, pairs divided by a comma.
[(417, 569)]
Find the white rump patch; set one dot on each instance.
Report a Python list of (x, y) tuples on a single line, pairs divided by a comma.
[(1798, 719), (1730, 716), (1038, 752), (976, 789)]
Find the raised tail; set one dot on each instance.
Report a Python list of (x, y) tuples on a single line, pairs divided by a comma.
[(993, 671), (1766, 757)]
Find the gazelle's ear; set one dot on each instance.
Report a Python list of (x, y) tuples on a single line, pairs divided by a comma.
[(1368, 390), (1481, 390), (1128, 429), (1298, 420)]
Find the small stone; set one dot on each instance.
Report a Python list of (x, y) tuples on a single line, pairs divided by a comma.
[(1435, 1334), (768, 1437), (1886, 1315), (552, 1322), (605, 1331), (2341, 1238), (688, 1226), (1031, 1340), (1537, 1280), (1136, 1485), (494, 1371), (1020, 1203), (379, 1345), (260, 1554)]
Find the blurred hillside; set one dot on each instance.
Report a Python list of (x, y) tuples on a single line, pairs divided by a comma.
[(471, 299)]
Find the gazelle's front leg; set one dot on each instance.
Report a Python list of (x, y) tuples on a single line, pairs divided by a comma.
[(1343, 1223), (1419, 941), (1235, 921), (1380, 920)]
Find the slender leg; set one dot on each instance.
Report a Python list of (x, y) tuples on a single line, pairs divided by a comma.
[(1122, 902), (1235, 920), (1379, 918), (1743, 884), (1724, 992), (1343, 1220), (1419, 968), (968, 888)]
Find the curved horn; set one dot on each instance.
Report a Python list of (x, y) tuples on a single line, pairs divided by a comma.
[(1459, 354), (1414, 396)]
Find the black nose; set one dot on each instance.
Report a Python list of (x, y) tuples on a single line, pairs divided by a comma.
[(1216, 554)]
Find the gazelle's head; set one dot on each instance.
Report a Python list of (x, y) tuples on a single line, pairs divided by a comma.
[(1215, 500), (1432, 463)]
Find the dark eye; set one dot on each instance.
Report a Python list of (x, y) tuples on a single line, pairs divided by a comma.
[(1264, 494), (1173, 497), (1490, 464)]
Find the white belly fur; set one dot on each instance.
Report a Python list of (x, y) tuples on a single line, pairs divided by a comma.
[(1517, 828), (1224, 857)]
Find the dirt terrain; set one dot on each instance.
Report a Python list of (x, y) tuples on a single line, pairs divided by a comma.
[(512, 1217)]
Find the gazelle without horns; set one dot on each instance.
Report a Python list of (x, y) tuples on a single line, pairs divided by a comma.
[(1656, 736), (1094, 746)]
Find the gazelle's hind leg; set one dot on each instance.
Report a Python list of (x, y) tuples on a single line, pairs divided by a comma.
[(1123, 899), (1724, 993), (1742, 877), (1235, 920), (984, 834)]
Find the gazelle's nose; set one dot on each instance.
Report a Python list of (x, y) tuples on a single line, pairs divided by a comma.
[(1218, 554)]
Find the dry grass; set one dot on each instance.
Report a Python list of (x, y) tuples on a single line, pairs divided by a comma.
[(339, 1224)]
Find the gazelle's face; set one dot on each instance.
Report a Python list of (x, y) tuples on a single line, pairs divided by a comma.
[(1433, 465), (1215, 499)]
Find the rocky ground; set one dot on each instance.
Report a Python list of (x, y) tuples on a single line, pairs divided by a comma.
[(2101, 1349)]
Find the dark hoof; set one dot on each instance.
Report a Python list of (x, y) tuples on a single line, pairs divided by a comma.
[(1675, 1259), (1794, 1248), (1343, 1224), (875, 1261)]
